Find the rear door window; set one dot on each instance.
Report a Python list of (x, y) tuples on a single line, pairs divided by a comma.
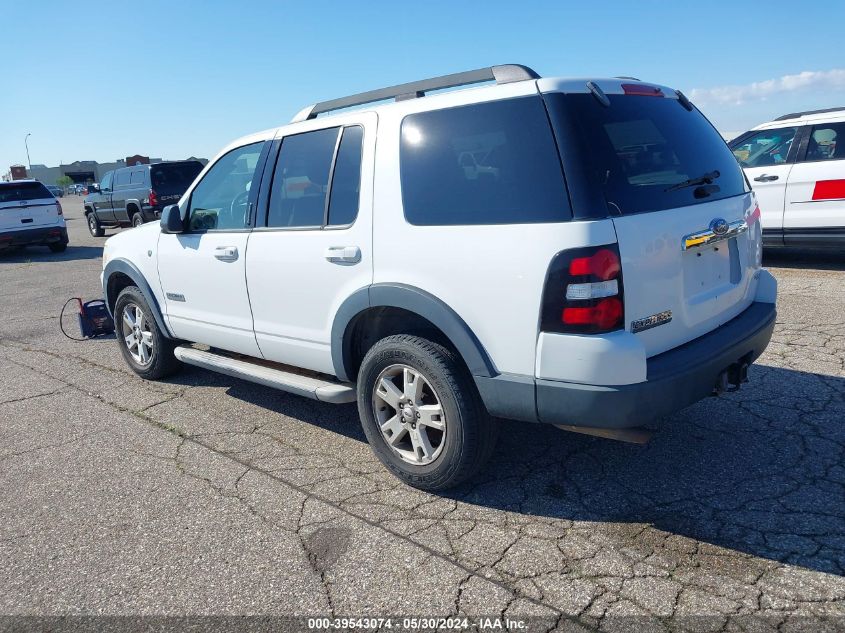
[(765, 148), (826, 142), (641, 150), (137, 177), (23, 191), (121, 178), (487, 163), (301, 179)]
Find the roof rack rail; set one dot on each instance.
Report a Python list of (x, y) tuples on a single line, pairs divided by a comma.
[(503, 74), (795, 115)]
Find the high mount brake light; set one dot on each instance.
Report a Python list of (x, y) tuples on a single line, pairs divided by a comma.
[(584, 292), (642, 90)]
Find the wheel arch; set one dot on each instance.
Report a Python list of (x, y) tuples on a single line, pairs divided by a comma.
[(120, 273), (420, 304)]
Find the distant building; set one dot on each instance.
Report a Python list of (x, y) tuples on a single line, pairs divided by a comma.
[(82, 171), (17, 172)]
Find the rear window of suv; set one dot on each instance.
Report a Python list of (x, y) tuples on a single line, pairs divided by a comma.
[(640, 150), (487, 163), (181, 174), (19, 191)]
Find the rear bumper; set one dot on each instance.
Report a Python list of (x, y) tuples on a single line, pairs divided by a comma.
[(675, 379), (40, 235)]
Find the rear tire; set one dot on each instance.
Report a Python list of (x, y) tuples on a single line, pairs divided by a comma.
[(137, 219), (94, 226), (58, 247), (432, 394), (144, 347)]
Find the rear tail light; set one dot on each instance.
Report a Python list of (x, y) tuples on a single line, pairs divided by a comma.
[(58, 207), (584, 292), (153, 198)]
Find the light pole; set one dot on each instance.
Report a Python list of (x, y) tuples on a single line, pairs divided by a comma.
[(28, 162)]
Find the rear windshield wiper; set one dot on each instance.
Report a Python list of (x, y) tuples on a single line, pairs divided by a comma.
[(706, 179)]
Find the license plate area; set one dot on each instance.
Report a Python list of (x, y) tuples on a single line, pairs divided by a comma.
[(708, 269)]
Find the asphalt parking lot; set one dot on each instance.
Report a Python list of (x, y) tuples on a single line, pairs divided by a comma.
[(204, 495)]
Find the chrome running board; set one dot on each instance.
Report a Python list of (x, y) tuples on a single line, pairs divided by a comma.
[(268, 374)]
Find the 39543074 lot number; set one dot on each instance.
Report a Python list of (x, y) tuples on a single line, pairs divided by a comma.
[(400, 624)]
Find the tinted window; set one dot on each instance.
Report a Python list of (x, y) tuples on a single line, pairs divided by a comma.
[(764, 148), (300, 180), (490, 163), (346, 180), (121, 177), (137, 177), (15, 192), (638, 148), (177, 175), (106, 182), (221, 199), (826, 142)]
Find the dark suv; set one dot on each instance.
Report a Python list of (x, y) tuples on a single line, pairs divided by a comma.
[(130, 196)]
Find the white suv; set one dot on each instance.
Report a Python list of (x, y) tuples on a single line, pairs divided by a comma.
[(30, 215), (594, 265), (796, 165)]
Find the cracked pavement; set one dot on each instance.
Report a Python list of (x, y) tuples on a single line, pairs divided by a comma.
[(205, 495)]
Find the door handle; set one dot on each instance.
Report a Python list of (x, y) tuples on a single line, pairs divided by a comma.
[(343, 254), (226, 253), (765, 178)]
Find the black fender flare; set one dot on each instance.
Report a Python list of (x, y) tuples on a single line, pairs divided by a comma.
[(135, 203), (414, 300), (124, 266)]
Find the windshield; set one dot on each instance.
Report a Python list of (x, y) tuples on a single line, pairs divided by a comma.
[(178, 175), (647, 153), (20, 191)]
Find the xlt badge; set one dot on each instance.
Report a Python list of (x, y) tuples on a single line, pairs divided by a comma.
[(649, 322)]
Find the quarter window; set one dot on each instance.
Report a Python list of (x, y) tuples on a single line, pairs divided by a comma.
[(489, 163), (826, 142), (221, 199), (765, 148), (137, 177)]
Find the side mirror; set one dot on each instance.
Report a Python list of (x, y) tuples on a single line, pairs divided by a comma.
[(171, 219), (94, 189)]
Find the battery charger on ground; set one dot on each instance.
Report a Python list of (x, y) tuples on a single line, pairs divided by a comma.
[(94, 319)]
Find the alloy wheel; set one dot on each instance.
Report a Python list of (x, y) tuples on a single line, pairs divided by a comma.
[(410, 414), (137, 334)]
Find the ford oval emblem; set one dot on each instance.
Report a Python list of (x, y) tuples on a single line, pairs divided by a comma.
[(719, 226)]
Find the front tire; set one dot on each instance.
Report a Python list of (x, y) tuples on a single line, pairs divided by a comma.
[(422, 414), (94, 227), (144, 347)]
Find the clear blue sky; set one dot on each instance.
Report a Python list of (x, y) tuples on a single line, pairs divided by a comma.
[(173, 79)]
